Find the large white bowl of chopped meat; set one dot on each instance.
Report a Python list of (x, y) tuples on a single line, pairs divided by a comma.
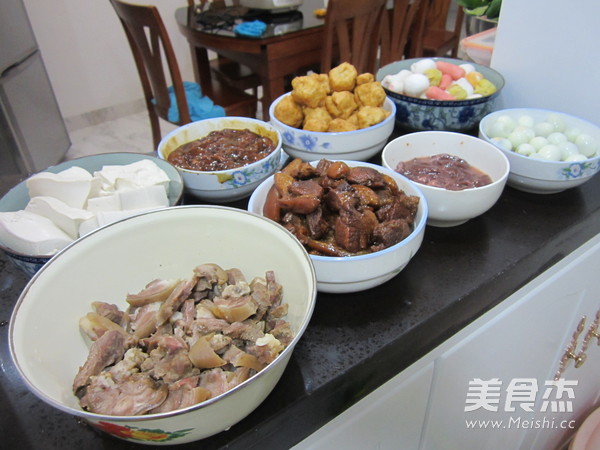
[(223, 159), (361, 223), (167, 327)]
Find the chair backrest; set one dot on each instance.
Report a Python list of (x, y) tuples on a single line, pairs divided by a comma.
[(433, 35), (149, 40), (352, 26), (396, 30)]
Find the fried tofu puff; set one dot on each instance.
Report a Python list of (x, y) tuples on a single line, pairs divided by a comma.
[(289, 112), (371, 115), (316, 119), (364, 78), (370, 94), (309, 90), (337, 125), (341, 104), (343, 77)]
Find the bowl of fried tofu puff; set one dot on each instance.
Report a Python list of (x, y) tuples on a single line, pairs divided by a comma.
[(166, 327), (51, 209), (341, 114)]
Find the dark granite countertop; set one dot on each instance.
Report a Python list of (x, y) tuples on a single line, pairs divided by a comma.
[(355, 342)]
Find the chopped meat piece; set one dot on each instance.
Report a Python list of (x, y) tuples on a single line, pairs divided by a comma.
[(182, 394), (402, 207), (94, 325), (317, 225), (342, 197), (112, 313), (132, 396), (181, 292), (266, 348), (143, 322), (303, 204), (168, 360), (215, 381), (390, 232), (353, 231), (155, 291), (105, 351), (306, 187), (366, 176)]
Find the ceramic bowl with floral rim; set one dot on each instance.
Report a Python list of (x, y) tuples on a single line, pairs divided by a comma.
[(48, 347), (534, 174), (419, 114), (224, 185), (358, 145)]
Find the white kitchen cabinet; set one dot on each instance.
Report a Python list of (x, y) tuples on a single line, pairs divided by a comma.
[(520, 341)]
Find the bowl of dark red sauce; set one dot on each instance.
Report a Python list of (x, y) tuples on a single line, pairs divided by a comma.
[(223, 159), (461, 176)]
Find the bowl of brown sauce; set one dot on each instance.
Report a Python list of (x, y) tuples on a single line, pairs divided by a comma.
[(223, 159), (460, 175)]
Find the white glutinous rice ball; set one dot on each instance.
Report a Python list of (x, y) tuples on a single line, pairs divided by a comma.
[(422, 65), (525, 149), (557, 121), (567, 149), (538, 142), (503, 142), (550, 152), (526, 121), (587, 145), (393, 83), (508, 121), (468, 68), (556, 138), (543, 129), (416, 84)]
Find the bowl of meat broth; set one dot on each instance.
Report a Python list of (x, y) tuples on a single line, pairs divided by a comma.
[(460, 175), (223, 159)]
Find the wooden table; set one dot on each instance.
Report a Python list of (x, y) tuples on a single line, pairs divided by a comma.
[(282, 50)]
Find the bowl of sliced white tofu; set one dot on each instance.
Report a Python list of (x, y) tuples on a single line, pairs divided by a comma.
[(51, 209)]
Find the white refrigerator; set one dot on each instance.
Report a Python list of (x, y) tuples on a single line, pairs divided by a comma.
[(33, 135)]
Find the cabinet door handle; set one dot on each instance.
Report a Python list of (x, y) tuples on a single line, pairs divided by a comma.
[(579, 357)]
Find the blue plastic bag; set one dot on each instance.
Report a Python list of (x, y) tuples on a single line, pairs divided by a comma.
[(200, 107)]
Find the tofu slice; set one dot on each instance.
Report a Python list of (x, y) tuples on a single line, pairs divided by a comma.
[(72, 186), (31, 234), (64, 216)]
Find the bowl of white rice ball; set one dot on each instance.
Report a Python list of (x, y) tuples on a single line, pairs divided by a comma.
[(548, 151)]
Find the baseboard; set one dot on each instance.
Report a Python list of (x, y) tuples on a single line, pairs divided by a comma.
[(103, 115)]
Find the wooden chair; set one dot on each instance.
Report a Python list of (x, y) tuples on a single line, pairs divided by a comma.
[(396, 30), (147, 37), (432, 36), (351, 34), (228, 71)]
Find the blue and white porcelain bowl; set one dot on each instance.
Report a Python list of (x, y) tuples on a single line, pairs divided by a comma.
[(17, 198), (223, 185), (358, 145), (540, 176), (417, 114)]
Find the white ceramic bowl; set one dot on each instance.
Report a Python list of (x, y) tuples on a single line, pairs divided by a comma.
[(123, 257), (540, 176), (223, 185), (357, 273), (358, 145), (456, 115), (450, 208), (17, 198)]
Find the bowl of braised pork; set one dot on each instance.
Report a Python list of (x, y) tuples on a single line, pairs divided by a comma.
[(223, 159), (361, 223), (339, 115), (167, 327), (460, 175)]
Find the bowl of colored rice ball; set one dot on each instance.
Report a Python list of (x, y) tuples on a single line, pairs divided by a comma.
[(549, 151), (444, 94)]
